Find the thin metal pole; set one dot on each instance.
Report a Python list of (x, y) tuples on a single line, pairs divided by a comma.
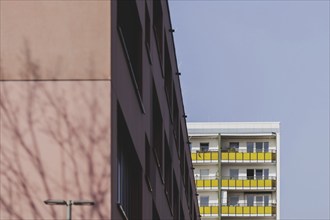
[(69, 210)]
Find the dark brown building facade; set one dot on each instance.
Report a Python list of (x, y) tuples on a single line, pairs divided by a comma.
[(149, 128), (91, 108)]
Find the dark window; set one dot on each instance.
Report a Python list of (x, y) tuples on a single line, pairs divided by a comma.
[(234, 146), (266, 200), (233, 174), (258, 174), (129, 171), (176, 121), (259, 200), (233, 200), (129, 27), (181, 143), (187, 185), (183, 169), (176, 199), (155, 215), (258, 146), (168, 78), (147, 162), (249, 146), (158, 27), (182, 157), (192, 210), (186, 178), (157, 130), (204, 146), (266, 146), (147, 24), (168, 172), (250, 200), (181, 213), (266, 174), (189, 195), (250, 174), (204, 201)]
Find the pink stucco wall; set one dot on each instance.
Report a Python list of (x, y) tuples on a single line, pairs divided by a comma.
[(66, 39), (54, 135), (55, 144)]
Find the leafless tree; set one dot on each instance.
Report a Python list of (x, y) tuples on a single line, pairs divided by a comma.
[(66, 116)]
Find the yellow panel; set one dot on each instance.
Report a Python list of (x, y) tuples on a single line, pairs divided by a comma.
[(199, 183), (246, 183), (246, 210), (239, 183), (224, 210), (253, 210), (231, 183), (214, 156), (207, 156), (232, 210), (239, 210), (214, 210), (225, 183), (253, 183), (268, 210), (246, 156), (239, 156), (268, 183), (207, 183), (253, 156), (201, 210), (207, 210), (193, 156), (261, 156), (261, 183), (224, 156), (268, 156), (214, 183), (200, 156), (261, 210), (232, 156)]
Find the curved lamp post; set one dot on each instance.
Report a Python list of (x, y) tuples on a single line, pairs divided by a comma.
[(68, 204)]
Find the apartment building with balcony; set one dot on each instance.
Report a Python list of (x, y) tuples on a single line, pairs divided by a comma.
[(91, 109), (236, 169)]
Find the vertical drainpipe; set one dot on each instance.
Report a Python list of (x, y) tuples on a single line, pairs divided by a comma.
[(219, 175), (278, 176)]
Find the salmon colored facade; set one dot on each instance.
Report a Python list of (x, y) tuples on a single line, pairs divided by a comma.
[(55, 132), (91, 109)]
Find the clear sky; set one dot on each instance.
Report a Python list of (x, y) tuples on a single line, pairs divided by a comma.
[(264, 61)]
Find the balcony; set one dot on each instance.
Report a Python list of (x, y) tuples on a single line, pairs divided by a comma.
[(207, 184), (248, 183), (211, 210), (205, 157), (248, 157), (246, 210)]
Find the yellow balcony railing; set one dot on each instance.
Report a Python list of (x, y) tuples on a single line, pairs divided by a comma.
[(245, 157), (205, 157), (244, 210), (227, 183), (207, 184), (210, 210)]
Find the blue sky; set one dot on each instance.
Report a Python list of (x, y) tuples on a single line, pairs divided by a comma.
[(264, 61)]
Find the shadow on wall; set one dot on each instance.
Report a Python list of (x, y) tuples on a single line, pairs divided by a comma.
[(54, 144)]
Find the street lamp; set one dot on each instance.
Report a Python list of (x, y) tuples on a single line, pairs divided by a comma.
[(69, 204)]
